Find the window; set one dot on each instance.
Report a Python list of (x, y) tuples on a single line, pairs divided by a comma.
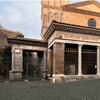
[(92, 23)]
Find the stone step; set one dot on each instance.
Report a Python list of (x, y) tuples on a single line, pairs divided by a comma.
[(69, 78)]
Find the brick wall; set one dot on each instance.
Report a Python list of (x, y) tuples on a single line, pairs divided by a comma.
[(58, 58)]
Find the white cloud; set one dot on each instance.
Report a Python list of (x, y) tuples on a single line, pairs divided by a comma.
[(23, 16)]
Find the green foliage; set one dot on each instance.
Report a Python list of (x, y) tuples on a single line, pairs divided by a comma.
[(19, 35), (5, 60)]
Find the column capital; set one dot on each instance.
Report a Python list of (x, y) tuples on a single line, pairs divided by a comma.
[(13, 50), (45, 52), (58, 44), (16, 50), (49, 50), (98, 47), (80, 45)]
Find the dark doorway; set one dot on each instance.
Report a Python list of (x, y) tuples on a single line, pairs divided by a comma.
[(71, 59), (32, 64), (91, 70), (89, 60)]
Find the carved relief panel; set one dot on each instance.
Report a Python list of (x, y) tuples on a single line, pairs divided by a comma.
[(50, 17), (56, 17), (17, 60)]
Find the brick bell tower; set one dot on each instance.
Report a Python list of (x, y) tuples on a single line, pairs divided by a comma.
[(51, 10)]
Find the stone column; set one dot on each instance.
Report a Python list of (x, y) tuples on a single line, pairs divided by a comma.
[(44, 74), (49, 62), (45, 61), (98, 61), (16, 71), (79, 59), (58, 59)]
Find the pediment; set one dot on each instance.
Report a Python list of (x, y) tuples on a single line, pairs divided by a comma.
[(90, 7), (93, 6)]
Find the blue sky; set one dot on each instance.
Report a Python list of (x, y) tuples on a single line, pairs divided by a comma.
[(23, 16)]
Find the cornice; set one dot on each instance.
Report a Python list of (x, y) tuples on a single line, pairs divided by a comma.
[(26, 41), (58, 26)]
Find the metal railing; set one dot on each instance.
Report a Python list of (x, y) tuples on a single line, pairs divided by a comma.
[(34, 68)]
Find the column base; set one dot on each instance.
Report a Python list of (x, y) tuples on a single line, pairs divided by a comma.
[(57, 78), (80, 74), (49, 75), (58, 75), (98, 74), (15, 75)]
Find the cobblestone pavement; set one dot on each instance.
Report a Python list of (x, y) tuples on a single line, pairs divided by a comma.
[(44, 90)]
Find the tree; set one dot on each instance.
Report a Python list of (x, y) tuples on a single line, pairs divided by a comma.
[(19, 35), (5, 60)]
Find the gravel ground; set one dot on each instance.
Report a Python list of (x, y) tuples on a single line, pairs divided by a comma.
[(44, 90)]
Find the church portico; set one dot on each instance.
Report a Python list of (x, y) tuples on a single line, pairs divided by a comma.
[(78, 62), (78, 59)]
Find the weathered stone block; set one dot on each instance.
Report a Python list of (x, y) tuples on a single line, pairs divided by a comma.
[(15, 75)]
